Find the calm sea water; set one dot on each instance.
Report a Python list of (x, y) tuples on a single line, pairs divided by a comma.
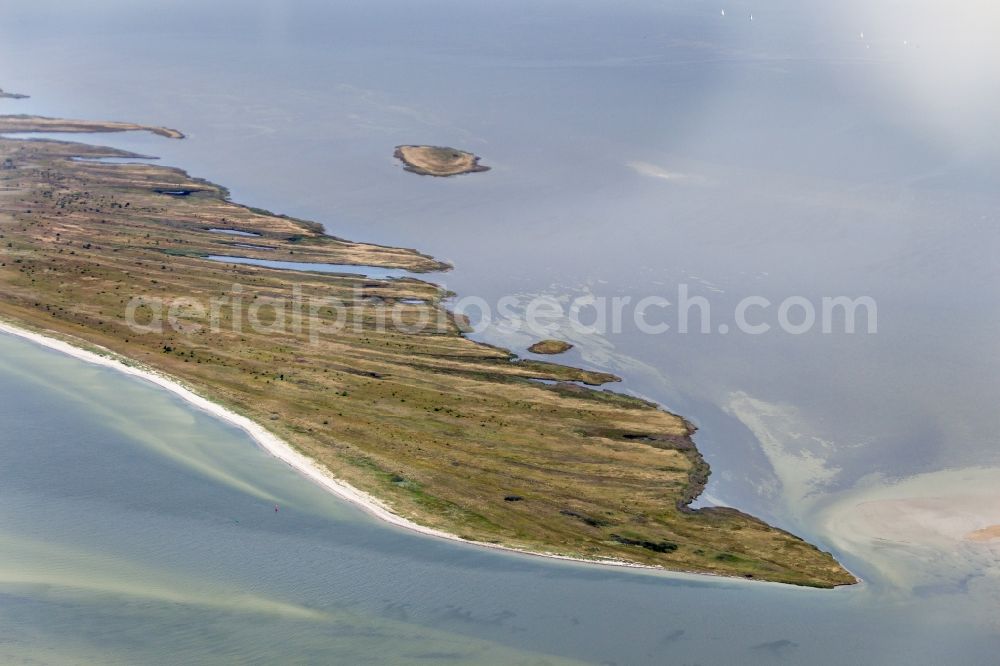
[(812, 151), (135, 529)]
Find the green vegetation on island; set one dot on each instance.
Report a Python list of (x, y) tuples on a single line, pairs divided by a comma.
[(452, 434)]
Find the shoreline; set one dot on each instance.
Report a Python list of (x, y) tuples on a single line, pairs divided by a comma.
[(321, 476)]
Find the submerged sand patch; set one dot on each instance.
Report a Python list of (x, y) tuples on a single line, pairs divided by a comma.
[(986, 534)]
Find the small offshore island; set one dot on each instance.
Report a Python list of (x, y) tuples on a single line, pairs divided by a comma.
[(438, 160), (9, 95), (550, 347), (439, 429)]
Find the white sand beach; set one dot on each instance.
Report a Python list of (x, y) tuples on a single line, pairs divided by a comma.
[(301, 463)]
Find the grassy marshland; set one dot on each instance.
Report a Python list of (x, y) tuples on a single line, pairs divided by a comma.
[(454, 434)]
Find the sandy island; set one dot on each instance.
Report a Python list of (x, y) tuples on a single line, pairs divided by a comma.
[(438, 160)]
